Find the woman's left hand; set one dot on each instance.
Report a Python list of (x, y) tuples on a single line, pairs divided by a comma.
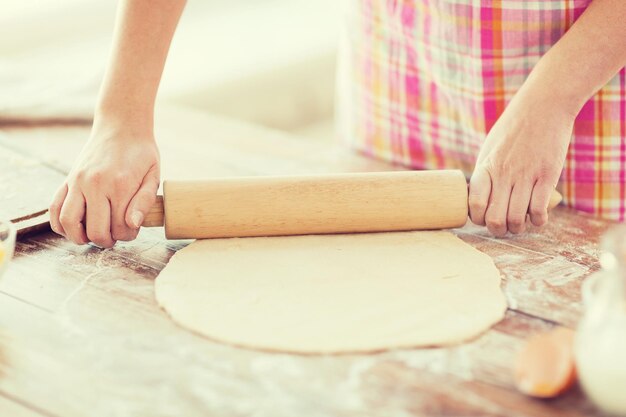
[(519, 164)]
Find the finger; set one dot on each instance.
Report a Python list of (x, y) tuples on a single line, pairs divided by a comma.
[(119, 229), (143, 199), (71, 217), (518, 207), (497, 208), (98, 221), (479, 191), (120, 199), (539, 201), (55, 209)]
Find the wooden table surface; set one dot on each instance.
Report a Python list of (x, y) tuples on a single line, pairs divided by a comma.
[(81, 334)]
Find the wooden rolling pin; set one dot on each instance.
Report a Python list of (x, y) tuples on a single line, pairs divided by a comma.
[(315, 204)]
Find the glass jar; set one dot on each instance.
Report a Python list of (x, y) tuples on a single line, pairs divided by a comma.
[(7, 243), (601, 338)]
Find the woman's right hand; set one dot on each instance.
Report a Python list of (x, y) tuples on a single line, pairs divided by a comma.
[(110, 189)]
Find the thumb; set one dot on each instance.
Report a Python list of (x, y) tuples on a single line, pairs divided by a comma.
[(479, 193), (143, 199)]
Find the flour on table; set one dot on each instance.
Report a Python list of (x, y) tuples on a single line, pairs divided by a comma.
[(333, 293)]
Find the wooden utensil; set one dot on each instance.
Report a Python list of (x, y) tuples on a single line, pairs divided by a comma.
[(37, 222), (315, 204)]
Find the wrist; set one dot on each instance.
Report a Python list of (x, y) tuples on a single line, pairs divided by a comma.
[(134, 122), (555, 82), (550, 97)]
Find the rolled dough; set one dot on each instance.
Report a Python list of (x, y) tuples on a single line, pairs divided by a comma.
[(333, 293)]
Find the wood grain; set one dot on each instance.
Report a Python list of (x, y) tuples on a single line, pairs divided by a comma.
[(26, 188), (82, 335), (315, 204)]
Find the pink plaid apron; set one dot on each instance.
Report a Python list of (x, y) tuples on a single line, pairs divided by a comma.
[(421, 82)]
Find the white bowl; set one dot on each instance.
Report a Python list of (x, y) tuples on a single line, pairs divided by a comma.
[(7, 244)]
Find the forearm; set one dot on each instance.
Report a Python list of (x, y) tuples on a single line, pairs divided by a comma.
[(585, 58), (143, 33)]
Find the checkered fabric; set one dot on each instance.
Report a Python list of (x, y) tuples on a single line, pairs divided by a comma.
[(421, 82)]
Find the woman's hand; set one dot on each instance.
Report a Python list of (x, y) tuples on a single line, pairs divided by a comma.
[(110, 189), (114, 181), (520, 163), (521, 160)]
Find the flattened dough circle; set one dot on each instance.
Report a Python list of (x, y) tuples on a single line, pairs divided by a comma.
[(333, 293)]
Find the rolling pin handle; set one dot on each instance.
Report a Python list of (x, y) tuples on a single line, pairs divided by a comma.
[(156, 215), (555, 199)]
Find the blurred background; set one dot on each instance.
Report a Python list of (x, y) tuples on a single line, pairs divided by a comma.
[(270, 62)]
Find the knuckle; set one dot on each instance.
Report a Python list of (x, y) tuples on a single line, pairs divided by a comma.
[(93, 178), (95, 236), (98, 238), (477, 220), (477, 215), (516, 221), (538, 212), (497, 169), (76, 239), (477, 204), (65, 220), (497, 232), (54, 207), (120, 238), (120, 183), (539, 220), (495, 222), (500, 172), (103, 243), (475, 181), (516, 227), (547, 171), (497, 227), (80, 175)]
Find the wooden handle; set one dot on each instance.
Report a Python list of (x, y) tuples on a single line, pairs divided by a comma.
[(156, 215), (341, 203), (555, 200)]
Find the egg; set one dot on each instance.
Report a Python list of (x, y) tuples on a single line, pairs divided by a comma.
[(545, 366)]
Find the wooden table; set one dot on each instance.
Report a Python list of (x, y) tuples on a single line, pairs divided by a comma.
[(81, 334)]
